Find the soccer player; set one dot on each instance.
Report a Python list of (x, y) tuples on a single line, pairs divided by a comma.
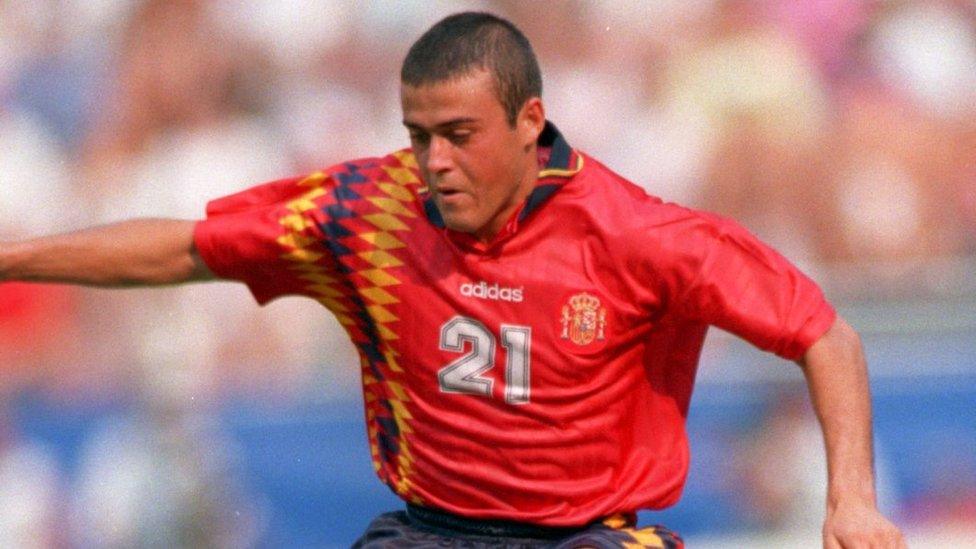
[(529, 323)]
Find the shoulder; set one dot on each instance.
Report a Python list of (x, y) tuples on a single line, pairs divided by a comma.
[(657, 240), (358, 181), (619, 203), (394, 175), (388, 182), (399, 167)]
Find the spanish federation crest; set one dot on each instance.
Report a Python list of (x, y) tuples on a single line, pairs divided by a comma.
[(584, 319)]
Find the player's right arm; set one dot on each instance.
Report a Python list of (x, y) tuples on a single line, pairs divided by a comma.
[(138, 252)]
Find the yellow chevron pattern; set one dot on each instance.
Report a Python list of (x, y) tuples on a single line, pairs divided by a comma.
[(640, 538), (393, 207), (323, 286), (645, 538), (304, 252)]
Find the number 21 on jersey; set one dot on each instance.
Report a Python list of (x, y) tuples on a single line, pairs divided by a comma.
[(464, 375)]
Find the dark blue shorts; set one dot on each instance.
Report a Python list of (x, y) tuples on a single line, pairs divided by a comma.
[(418, 527)]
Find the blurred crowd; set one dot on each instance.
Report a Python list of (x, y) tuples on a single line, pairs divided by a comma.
[(841, 131)]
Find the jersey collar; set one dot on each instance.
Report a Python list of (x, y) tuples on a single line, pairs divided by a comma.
[(561, 163)]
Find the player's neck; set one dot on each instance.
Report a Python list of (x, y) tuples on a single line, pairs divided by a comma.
[(527, 182)]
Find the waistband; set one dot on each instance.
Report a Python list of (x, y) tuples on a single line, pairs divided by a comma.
[(441, 520)]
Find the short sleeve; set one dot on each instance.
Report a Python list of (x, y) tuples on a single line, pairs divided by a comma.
[(745, 287), (259, 235)]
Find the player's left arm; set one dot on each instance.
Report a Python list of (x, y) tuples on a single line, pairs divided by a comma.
[(837, 378)]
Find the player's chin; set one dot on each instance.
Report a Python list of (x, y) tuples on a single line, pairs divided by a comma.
[(458, 221), (459, 225)]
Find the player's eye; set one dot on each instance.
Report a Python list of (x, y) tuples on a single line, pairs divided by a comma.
[(459, 137), (420, 139)]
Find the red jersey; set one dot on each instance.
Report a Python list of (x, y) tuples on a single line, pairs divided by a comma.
[(543, 377)]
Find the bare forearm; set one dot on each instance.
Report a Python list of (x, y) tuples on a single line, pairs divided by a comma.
[(131, 253), (837, 377)]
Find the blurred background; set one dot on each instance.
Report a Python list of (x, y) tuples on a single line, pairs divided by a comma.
[(843, 132)]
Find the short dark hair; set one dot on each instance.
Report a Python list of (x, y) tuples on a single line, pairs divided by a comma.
[(466, 41)]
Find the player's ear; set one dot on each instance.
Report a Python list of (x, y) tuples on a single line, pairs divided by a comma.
[(530, 121)]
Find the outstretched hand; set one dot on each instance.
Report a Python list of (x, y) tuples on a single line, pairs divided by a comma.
[(851, 526)]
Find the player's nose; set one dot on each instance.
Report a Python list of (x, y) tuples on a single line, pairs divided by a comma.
[(439, 155)]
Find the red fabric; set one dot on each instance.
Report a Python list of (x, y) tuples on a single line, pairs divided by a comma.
[(603, 430)]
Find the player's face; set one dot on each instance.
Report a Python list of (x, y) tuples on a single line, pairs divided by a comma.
[(479, 168)]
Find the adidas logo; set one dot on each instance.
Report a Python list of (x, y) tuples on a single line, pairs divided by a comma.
[(494, 292)]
